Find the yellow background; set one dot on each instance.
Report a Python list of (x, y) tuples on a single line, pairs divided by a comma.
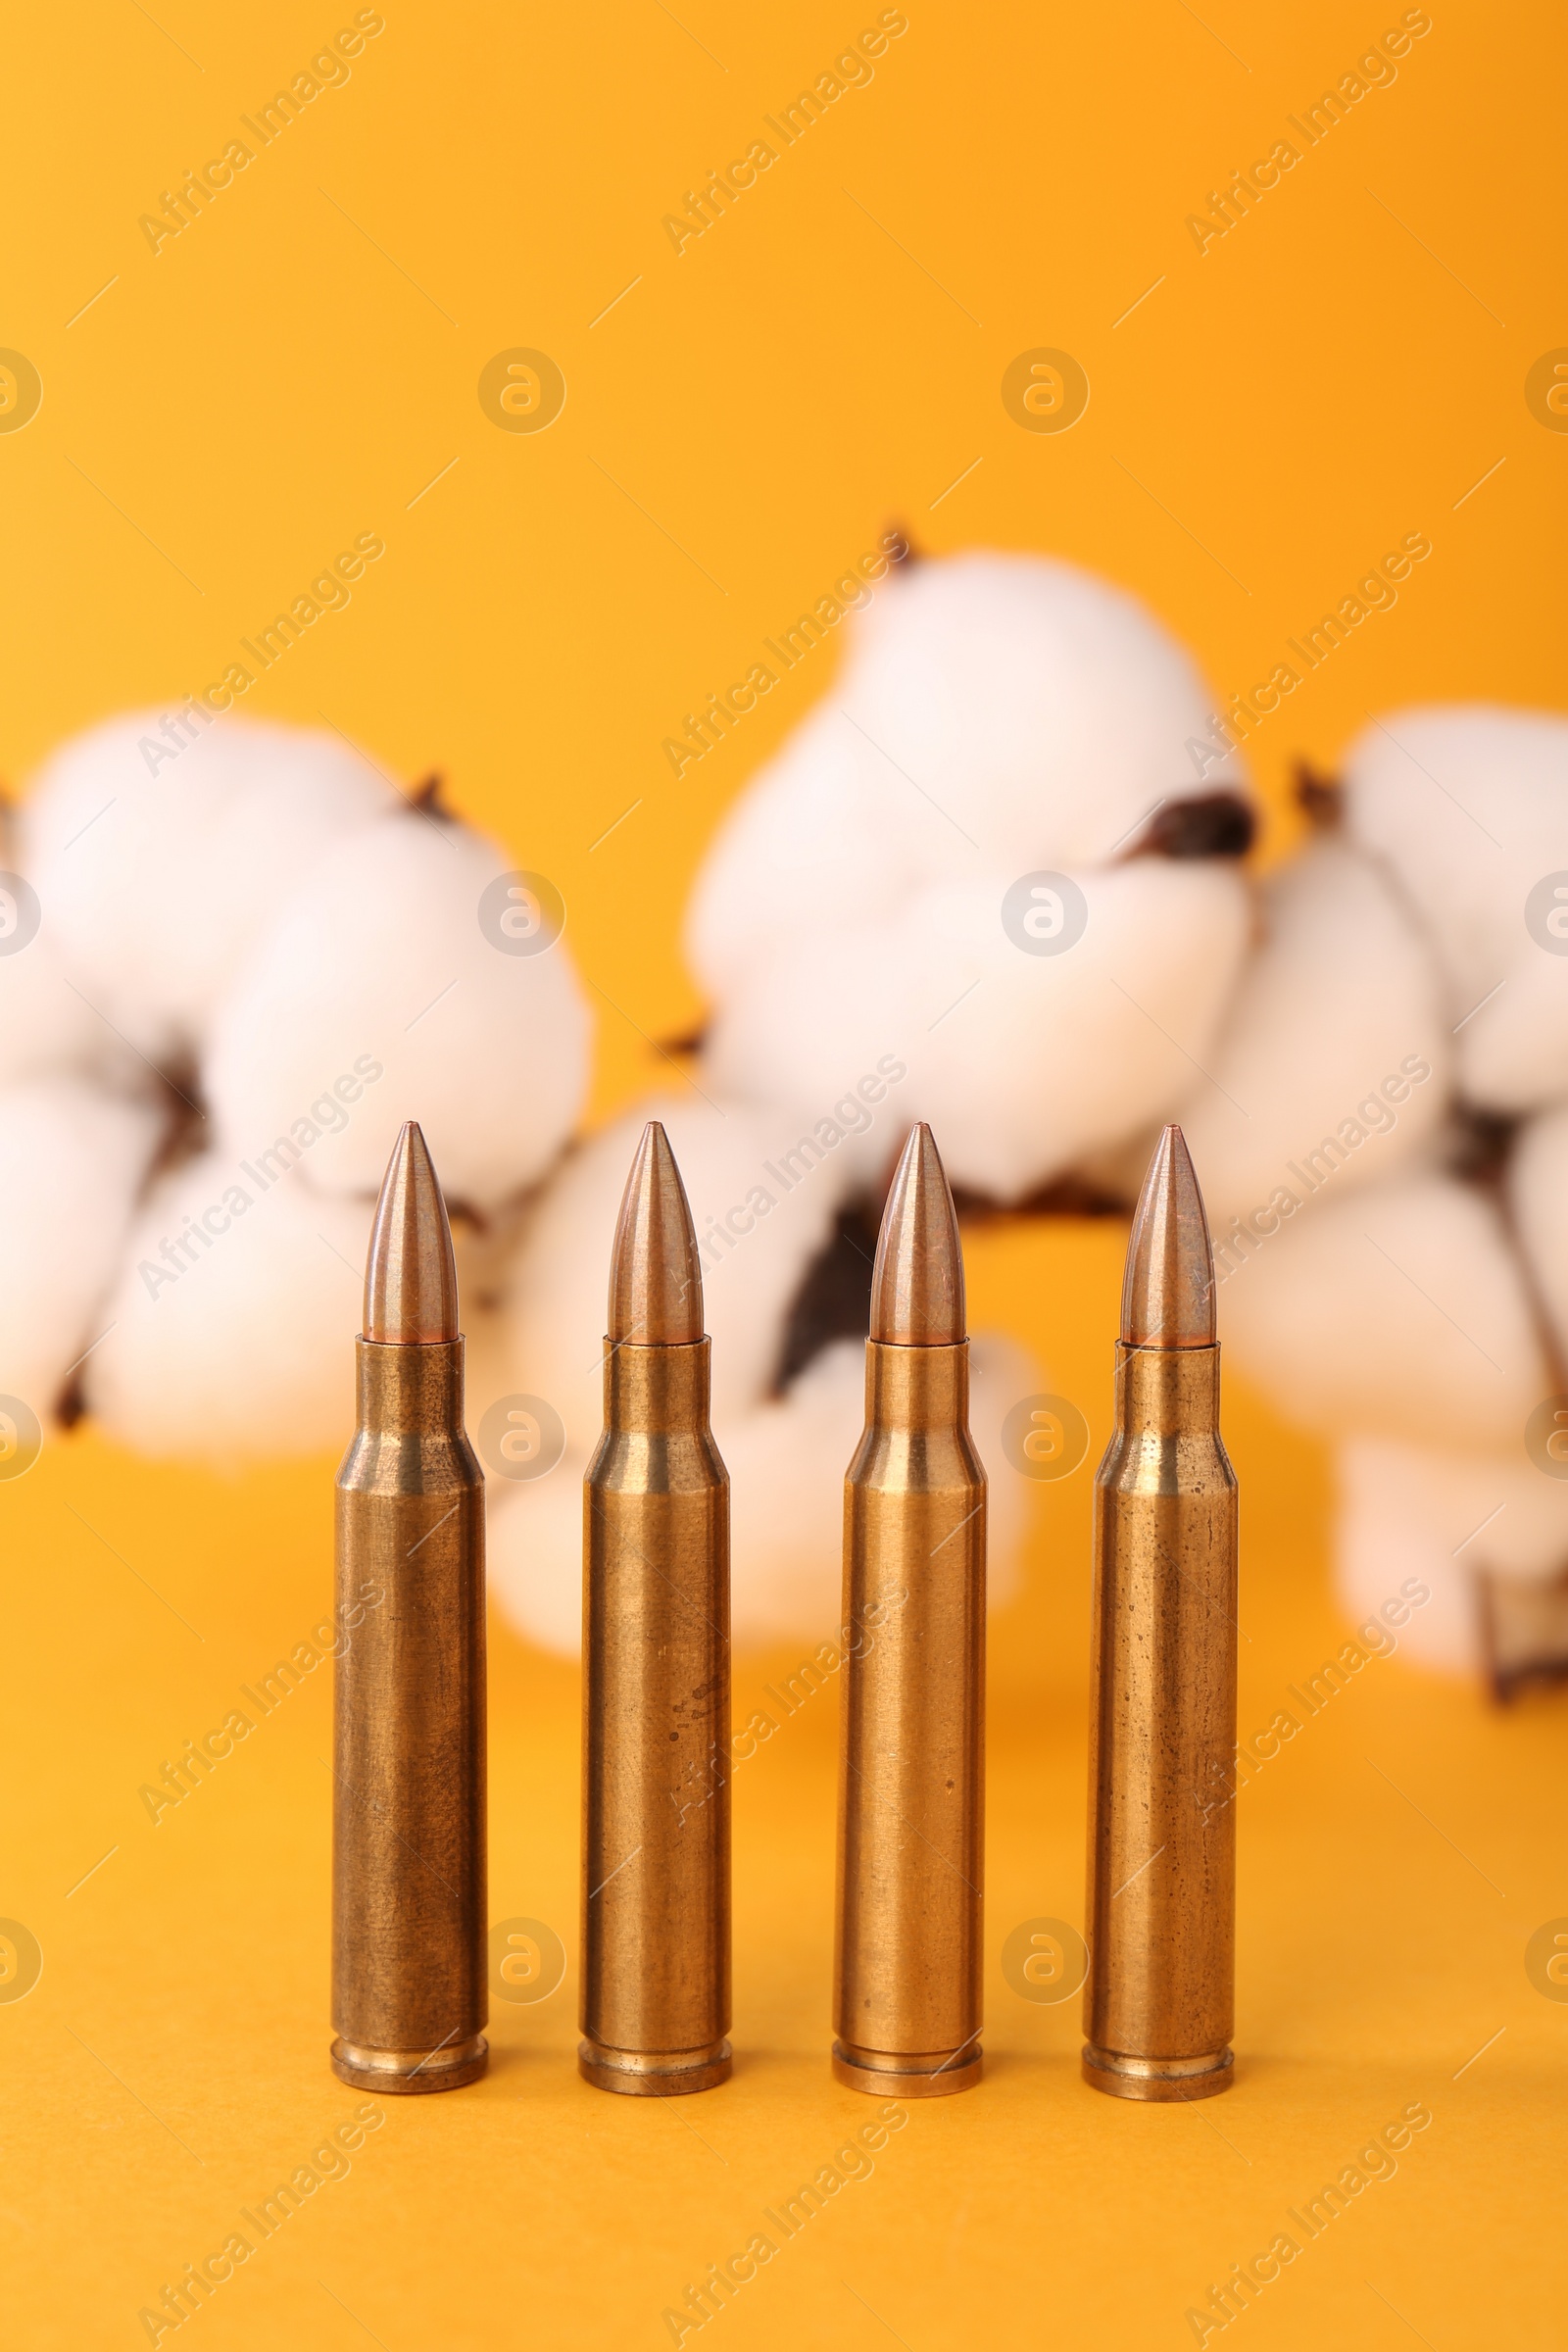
[(295, 369)]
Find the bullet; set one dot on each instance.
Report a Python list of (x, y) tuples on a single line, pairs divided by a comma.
[(1157, 2005), (408, 1809), (906, 2009), (656, 1888)]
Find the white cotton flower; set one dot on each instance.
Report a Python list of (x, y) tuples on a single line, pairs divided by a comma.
[(389, 964), (1334, 1058), (160, 855), (940, 868), (1433, 1517), (1468, 806), (234, 1318), (995, 712), (47, 1028), (1396, 1312), (72, 1164), (1022, 1062), (1537, 1192)]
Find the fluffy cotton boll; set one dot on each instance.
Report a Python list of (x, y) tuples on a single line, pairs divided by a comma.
[(1022, 1062), (1468, 806), (1513, 1056), (234, 1318), (1055, 704), (1439, 1517), (995, 712), (786, 1463), (786, 1459), (72, 1162), (753, 1257), (1392, 1532), (1399, 1310), (161, 866), (380, 969), (47, 1026), (533, 1553), (1537, 1192), (808, 847), (1334, 1043)]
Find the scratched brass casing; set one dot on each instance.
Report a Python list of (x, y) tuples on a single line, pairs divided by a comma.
[(655, 1892), (408, 1921), (1157, 2005), (906, 2009)]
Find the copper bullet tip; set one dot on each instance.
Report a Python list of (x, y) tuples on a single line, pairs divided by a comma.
[(655, 1277), (918, 1286), (1167, 1297), (410, 1277)]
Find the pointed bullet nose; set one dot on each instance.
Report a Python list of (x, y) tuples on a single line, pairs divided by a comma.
[(655, 1277), (1167, 1297), (410, 1277), (918, 1286)]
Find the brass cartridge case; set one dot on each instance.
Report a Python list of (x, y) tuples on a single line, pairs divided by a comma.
[(408, 1921), (655, 1892), (907, 2008), (1158, 2002)]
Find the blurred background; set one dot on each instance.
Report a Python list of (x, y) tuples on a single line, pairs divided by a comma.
[(467, 298)]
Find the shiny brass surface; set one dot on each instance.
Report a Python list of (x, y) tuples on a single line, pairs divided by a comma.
[(655, 1277), (656, 1894), (656, 1888), (917, 1281), (1158, 2002), (907, 2008), (1167, 1297), (408, 1780), (411, 1276)]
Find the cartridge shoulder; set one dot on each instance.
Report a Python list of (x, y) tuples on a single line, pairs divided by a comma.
[(905, 1460), (1176, 1462), (396, 1463), (666, 1461)]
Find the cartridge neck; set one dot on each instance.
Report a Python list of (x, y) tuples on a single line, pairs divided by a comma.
[(657, 1389), (916, 1388), (409, 1390), (1168, 1390)]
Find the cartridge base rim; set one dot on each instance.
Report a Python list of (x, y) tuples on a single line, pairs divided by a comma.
[(411, 2073), (655, 2074), (857, 2072), (1159, 2078)]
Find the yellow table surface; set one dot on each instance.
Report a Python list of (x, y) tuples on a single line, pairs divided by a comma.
[(170, 2068)]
